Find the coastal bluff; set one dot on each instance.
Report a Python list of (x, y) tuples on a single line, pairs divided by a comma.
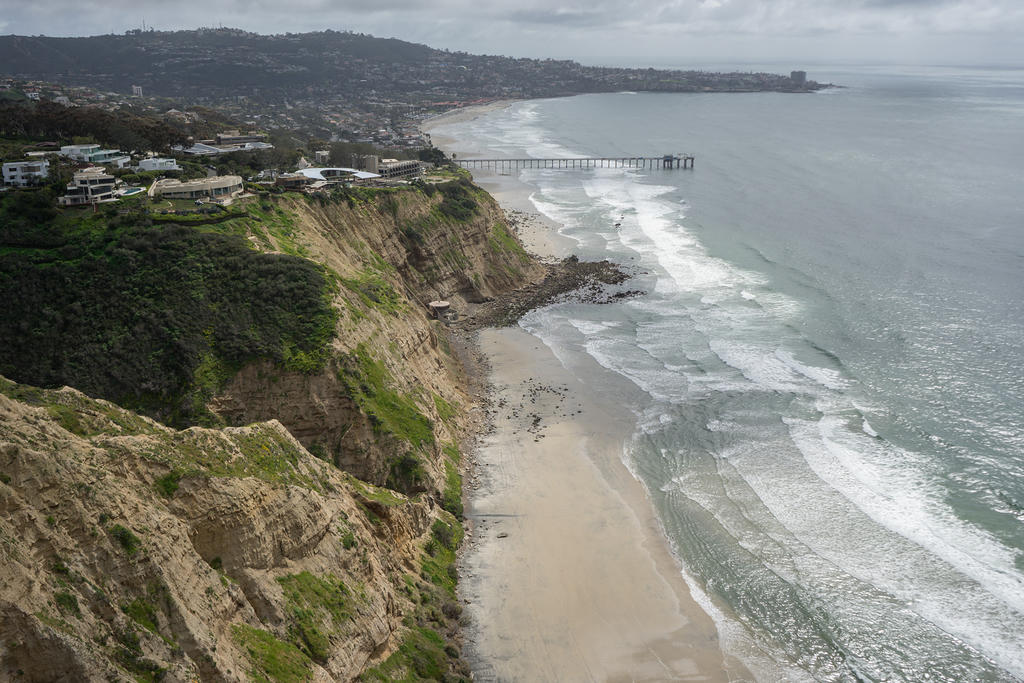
[(281, 500)]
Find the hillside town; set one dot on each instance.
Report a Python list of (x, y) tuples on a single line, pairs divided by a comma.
[(351, 117), (339, 86), (100, 176), (383, 124)]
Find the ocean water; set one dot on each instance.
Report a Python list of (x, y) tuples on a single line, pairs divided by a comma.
[(827, 368)]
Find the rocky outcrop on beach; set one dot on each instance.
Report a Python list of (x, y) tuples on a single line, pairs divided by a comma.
[(585, 281)]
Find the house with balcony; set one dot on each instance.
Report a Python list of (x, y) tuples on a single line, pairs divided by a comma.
[(25, 173), (93, 154), (89, 186)]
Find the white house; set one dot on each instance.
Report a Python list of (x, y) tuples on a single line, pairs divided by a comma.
[(89, 186), (203, 149), (92, 154), (337, 174), (159, 164), (22, 173), (214, 187)]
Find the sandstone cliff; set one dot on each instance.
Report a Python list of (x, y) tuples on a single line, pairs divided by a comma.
[(389, 401), (313, 537), (131, 550)]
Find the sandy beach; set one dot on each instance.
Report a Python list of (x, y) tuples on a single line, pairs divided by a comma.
[(566, 575)]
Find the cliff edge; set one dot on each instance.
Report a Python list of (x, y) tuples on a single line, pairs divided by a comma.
[(261, 478)]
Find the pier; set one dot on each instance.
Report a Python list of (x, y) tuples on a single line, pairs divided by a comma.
[(663, 162)]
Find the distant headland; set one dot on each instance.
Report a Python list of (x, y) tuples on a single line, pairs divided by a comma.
[(343, 78)]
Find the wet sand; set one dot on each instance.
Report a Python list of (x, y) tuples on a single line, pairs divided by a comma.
[(566, 575)]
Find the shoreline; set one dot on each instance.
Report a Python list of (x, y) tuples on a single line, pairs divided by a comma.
[(566, 573)]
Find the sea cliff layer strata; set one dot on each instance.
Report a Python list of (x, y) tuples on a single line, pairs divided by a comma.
[(273, 504)]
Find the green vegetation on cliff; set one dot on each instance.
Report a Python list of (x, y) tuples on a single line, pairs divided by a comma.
[(426, 651), (273, 660), (375, 292), (420, 656), (317, 610), (391, 412), (458, 204), (156, 317)]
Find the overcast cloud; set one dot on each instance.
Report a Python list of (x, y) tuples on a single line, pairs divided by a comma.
[(594, 31)]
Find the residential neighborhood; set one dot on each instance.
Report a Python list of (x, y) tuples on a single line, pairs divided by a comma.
[(99, 175)]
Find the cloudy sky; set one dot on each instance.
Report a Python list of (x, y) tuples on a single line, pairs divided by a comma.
[(594, 31)]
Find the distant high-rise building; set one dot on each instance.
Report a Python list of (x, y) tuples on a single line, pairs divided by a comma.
[(136, 91), (798, 77)]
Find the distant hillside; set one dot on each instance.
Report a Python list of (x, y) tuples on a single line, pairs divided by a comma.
[(227, 62)]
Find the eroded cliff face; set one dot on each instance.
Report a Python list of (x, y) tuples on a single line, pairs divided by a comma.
[(392, 252), (270, 549), (133, 550)]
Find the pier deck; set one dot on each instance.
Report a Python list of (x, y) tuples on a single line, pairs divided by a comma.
[(665, 162)]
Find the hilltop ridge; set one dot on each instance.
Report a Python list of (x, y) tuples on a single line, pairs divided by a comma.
[(230, 62), (340, 84)]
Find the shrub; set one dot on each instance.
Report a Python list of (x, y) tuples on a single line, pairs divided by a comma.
[(154, 317), (168, 484), (458, 201), (68, 603), (406, 473), (125, 538), (443, 533)]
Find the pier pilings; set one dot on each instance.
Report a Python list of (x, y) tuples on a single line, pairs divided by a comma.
[(668, 161)]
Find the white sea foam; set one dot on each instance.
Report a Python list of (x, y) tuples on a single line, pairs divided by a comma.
[(842, 514), (827, 377), (887, 485), (589, 328), (761, 366)]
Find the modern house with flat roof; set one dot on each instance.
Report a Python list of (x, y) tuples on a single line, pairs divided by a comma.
[(204, 149), (337, 174), (89, 186), (92, 154), (24, 173), (233, 137), (159, 164), (217, 187), (292, 181), (387, 168)]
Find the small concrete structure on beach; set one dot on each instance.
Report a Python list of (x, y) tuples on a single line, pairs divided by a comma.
[(439, 309)]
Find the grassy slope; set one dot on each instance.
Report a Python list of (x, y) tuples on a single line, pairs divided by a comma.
[(149, 313)]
